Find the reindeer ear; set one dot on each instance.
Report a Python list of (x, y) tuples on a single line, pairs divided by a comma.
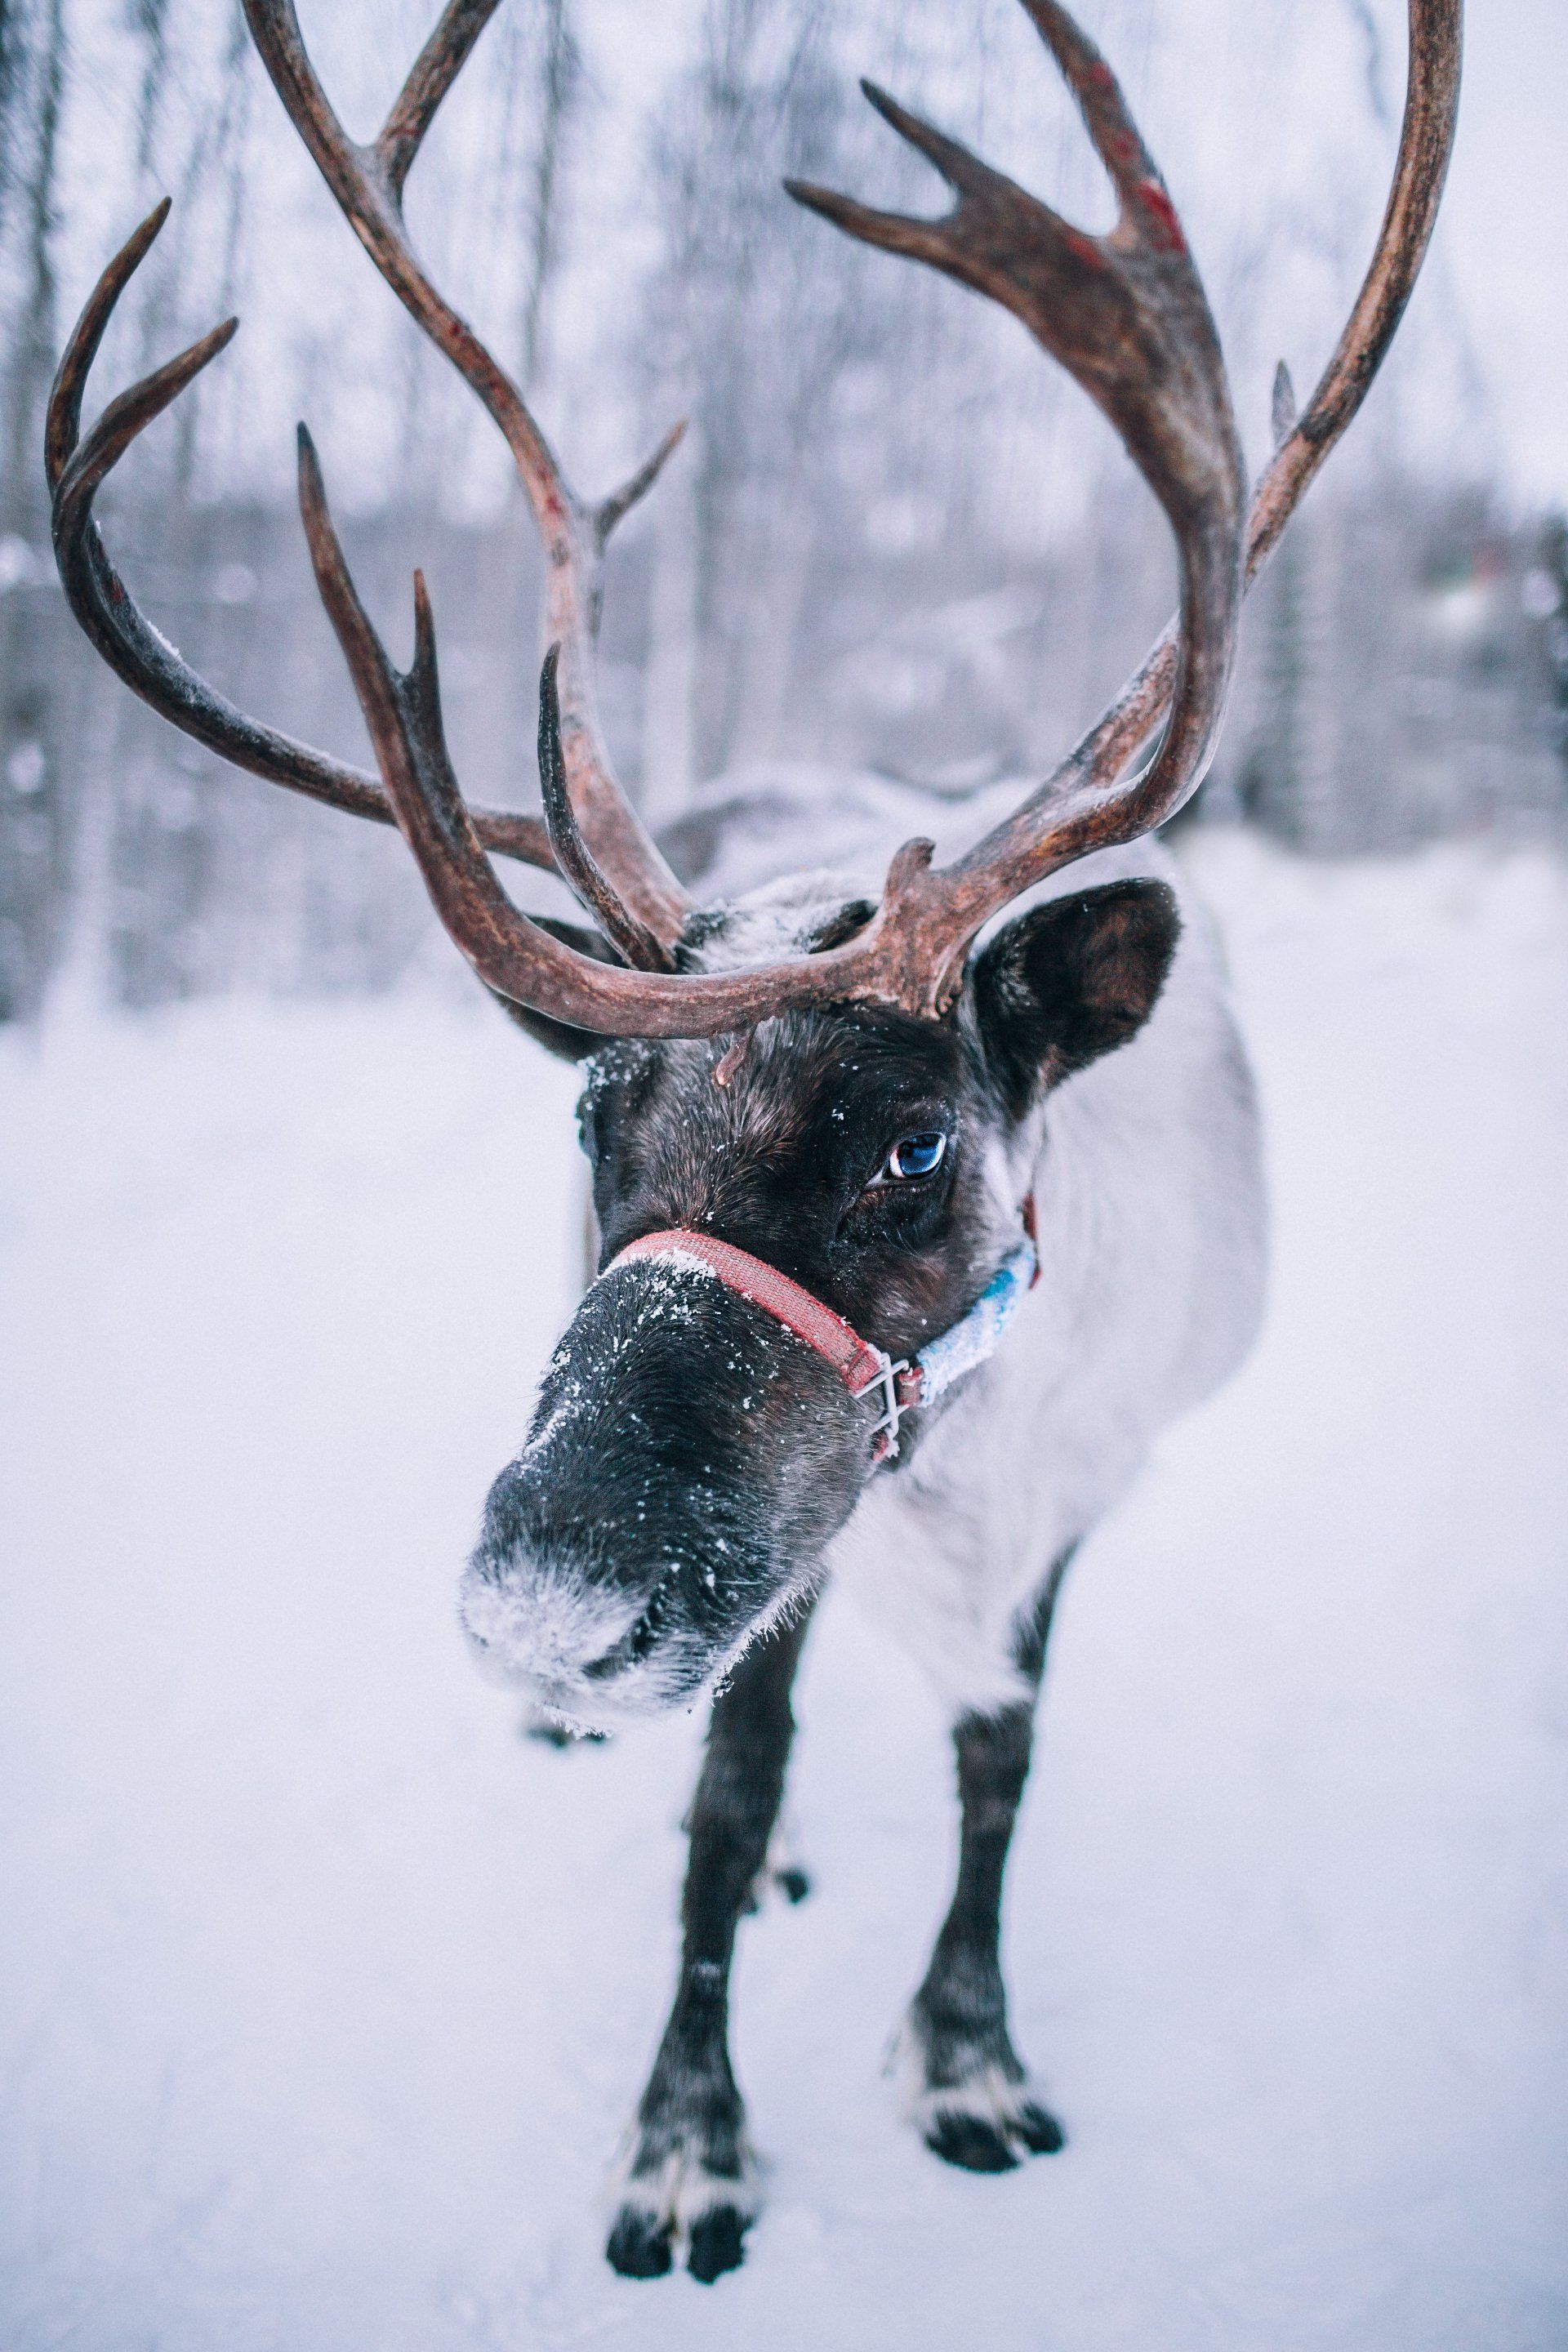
[(558, 1037), (1071, 980)]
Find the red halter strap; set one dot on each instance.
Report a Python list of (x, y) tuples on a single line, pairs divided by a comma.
[(859, 1365), (863, 1368)]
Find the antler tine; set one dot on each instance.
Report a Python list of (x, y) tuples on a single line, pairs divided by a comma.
[(134, 648), (637, 486), (430, 77), (1426, 144), (573, 855), (1118, 142), (931, 241), (62, 428), (962, 171), (367, 183), (83, 471)]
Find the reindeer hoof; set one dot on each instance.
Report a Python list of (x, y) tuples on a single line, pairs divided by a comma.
[(973, 2145), (1039, 2130), (988, 2125), (639, 2244), (718, 2243), (642, 2245), (682, 2208)]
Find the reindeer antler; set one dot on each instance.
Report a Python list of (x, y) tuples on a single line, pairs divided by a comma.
[(1080, 807), (76, 470), (644, 908), (639, 903), (1126, 315), (1426, 144)]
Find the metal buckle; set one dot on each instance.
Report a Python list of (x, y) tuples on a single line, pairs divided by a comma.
[(884, 1381)]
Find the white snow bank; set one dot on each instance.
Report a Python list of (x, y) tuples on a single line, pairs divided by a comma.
[(323, 1999)]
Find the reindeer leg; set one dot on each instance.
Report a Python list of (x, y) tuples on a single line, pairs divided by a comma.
[(973, 2103), (692, 2173)]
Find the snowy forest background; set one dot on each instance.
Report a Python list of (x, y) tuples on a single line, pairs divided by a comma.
[(897, 541)]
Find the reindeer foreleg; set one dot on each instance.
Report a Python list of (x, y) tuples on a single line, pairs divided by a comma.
[(974, 2104), (692, 2176)]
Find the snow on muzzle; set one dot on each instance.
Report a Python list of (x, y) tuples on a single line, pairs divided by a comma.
[(687, 1462)]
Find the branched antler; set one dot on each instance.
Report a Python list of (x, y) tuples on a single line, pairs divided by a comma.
[(1125, 314), (75, 470), (646, 907), (1067, 810)]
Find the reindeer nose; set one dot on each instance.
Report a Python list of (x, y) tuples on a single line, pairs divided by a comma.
[(544, 1624), (686, 1459), (593, 1655)]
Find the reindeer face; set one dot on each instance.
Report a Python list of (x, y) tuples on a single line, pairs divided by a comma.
[(689, 1458)]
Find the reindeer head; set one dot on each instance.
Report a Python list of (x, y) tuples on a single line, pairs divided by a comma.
[(690, 1456), (839, 1087)]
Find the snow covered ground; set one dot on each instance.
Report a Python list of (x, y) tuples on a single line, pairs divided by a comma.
[(324, 1997)]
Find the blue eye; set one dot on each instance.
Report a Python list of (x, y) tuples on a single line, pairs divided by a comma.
[(916, 1155)]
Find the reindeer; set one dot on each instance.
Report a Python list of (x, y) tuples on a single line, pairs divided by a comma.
[(917, 1226)]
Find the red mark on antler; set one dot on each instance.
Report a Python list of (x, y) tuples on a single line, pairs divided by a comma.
[(1164, 228)]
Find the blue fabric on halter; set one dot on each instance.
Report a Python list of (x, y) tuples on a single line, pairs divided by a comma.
[(978, 1334)]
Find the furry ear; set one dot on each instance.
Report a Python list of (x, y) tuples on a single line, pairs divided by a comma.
[(1071, 981), (558, 1037)]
